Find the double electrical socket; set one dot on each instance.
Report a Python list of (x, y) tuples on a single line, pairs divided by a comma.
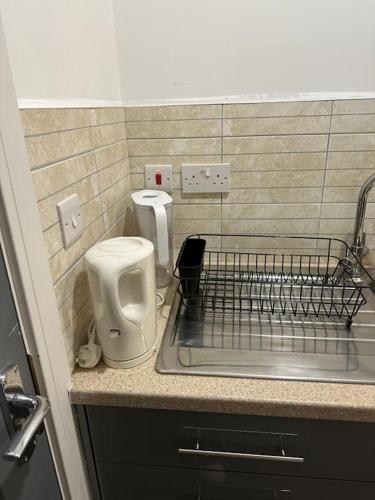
[(206, 178)]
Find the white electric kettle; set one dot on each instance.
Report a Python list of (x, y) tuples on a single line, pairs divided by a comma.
[(153, 216), (121, 273)]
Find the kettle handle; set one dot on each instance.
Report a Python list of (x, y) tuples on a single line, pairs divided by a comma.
[(162, 233)]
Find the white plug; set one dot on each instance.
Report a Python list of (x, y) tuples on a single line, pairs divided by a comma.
[(89, 354)]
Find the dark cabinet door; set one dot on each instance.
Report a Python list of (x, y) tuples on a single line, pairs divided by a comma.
[(139, 482)]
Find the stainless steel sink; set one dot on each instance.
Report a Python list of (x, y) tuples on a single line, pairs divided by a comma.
[(270, 345)]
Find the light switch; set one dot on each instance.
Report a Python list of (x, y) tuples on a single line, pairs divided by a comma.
[(70, 217)]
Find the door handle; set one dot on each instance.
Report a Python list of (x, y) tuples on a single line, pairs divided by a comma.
[(39, 408), (15, 403)]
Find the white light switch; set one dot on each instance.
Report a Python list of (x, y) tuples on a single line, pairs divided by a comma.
[(70, 217)]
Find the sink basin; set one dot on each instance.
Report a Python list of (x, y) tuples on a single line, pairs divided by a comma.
[(293, 309), (270, 345)]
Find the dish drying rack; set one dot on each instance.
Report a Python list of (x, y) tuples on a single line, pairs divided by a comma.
[(266, 279)]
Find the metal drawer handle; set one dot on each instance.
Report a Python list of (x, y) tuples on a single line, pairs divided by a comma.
[(247, 456), (275, 494)]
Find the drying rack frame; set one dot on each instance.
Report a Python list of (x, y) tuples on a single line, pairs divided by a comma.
[(245, 280)]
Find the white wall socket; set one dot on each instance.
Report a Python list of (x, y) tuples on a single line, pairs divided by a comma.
[(71, 221), (208, 178), (159, 177)]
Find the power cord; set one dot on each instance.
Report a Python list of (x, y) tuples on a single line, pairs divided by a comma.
[(89, 354)]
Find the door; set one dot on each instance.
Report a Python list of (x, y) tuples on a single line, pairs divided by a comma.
[(32, 475)]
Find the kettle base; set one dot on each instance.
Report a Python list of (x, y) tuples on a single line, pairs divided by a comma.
[(130, 363)]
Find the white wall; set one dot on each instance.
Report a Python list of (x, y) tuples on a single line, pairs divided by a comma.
[(62, 52), (217, 50)]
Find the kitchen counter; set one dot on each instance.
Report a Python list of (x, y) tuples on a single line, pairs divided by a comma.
[(143, 387)]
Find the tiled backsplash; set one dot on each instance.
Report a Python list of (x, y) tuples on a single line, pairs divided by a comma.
[(296, 169), (81, 151), (296, 166)]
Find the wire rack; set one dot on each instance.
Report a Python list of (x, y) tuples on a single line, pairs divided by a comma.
[(318, 282)]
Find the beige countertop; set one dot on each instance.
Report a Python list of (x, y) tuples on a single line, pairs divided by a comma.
[(143, 387)]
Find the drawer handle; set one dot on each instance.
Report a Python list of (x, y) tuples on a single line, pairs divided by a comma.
[(247, 456)]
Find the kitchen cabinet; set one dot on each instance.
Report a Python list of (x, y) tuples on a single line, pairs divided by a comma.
[(135, 453)]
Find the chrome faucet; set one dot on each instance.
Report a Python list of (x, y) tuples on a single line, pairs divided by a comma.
[(359, 238)]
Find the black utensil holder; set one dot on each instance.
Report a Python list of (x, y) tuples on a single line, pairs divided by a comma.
[(190, 265)]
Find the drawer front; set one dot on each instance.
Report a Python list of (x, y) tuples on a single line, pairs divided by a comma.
[(139, 482), (321, 449)]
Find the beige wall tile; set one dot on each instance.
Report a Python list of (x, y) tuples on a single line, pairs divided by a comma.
[(53, 239), (116, 211), (348, 142), (119, 228), (173, 129), (48, 180), (103, 135), (275, 126), (43, 121), (351, 160), (137, 181), (307, 178), (115, 192), (173, 112), (276, 161), (73, 278), (274, 211), (138, 163), (343, 194), (274, 195), (353, 123), (344, 210), (211, 241), (280, 226), (73, 305), (64, 259), (180, 198), (277, 109), (86, 189), (45, 149), (102, 116), (148, 147), (347, 177), (197, 226), (336, 226), (267, 243), (91, 210), (78, 329), (111, 154), (275, 144), (349, 106), (196, 212), (112, 174)]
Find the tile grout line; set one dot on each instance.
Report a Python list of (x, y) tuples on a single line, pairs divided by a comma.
[(221, 158), (325, 173), (63, 130)]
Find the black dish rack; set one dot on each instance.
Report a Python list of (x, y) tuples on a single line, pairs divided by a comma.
[(278, 275)]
